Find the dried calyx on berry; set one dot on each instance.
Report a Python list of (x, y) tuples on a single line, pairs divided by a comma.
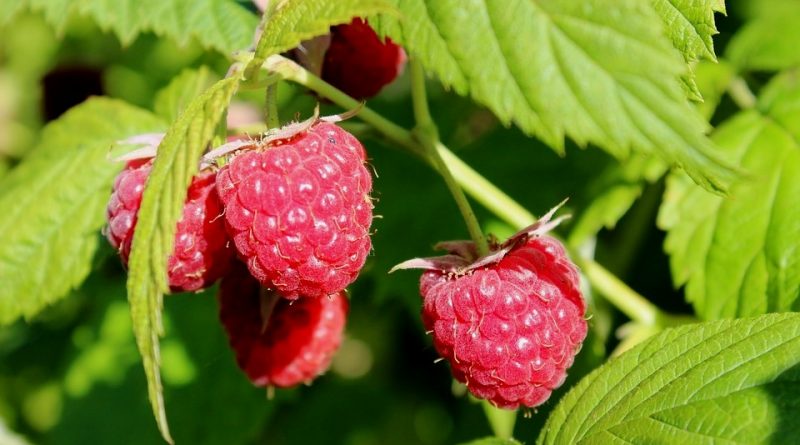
[(353, 58), (297, 207), (509, 323)]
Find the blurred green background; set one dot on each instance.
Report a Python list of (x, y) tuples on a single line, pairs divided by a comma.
[(73, 375)]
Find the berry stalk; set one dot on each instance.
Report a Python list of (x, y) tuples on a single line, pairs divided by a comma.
[(271, 99), (627, 300), (741, 94), (290, 70), (501, 421), (428, 136), (271, 106)]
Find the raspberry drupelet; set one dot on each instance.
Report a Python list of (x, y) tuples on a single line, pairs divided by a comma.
[(299, 212), (201, 254)]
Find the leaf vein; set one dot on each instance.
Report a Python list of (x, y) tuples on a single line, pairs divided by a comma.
[(723, 333), (583, 427), (728, 347)]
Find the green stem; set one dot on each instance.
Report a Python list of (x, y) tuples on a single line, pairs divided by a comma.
[(741, 94), (289, 70), (419, 100), (271, 106), (259, 83), (635, 306), (627, 300), (500, 420), (486, 193), (428, 136)]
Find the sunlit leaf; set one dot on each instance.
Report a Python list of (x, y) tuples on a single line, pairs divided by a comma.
[(731, 381), (54, 204), (599, 72)]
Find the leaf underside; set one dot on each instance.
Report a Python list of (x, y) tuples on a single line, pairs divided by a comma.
[(741, 255)]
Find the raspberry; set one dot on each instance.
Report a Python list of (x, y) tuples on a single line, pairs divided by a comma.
[(358, 62), (295, 345), (201, 254), (299, 212), (510, 323)]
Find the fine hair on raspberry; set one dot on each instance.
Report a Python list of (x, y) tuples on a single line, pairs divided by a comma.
[(299, 212), (509, 330)]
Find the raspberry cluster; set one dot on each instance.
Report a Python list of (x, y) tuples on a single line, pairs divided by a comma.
[(285, 224)]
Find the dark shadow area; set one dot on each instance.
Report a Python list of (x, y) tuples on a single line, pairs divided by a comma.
[(67, 86)]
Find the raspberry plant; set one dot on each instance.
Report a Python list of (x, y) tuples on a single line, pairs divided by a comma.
[(671, 291)]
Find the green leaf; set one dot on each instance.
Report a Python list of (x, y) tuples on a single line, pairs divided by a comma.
[(175, 97), (780, 100), (54, 204), (598, 72), (56, 12), (620, 185), (162, 204), (223, 25), (741, 256), (690, 25), (770, 36), (491, 441), (295, 21), (756, 9), (731, 381)]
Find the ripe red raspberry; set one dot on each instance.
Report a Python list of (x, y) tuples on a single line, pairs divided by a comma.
[(358, 62), (298, 210), (201, 254), (510, 323), (297, 342)]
